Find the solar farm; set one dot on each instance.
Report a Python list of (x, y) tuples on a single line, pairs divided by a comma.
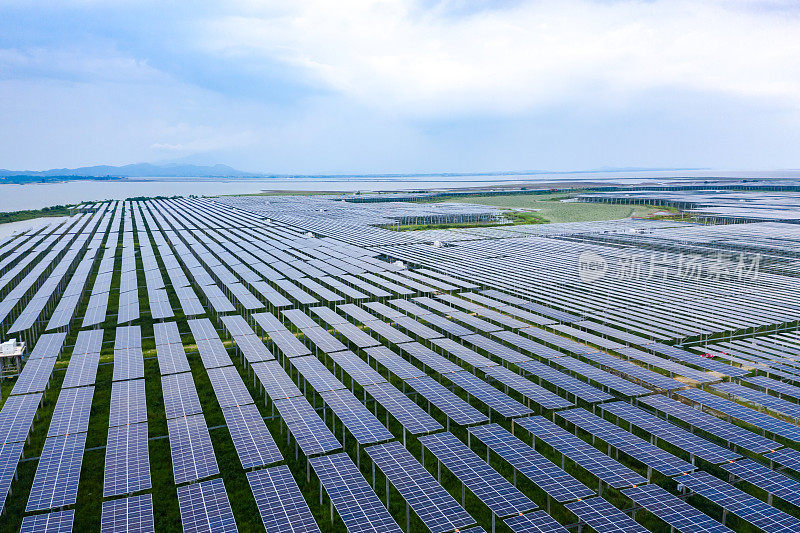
[(293, 364)]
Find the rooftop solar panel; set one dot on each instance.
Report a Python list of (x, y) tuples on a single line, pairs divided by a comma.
[(127, 467), (430, 501), (502, 498), (128, 515), (280, 502), (351, 495), (56, 481), (590, 458), (55, 522), (205, 508), (250, 436), (748, 508), (604, 517), (192, 452)]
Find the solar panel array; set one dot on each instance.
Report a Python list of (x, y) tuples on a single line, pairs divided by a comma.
[(342, 323)]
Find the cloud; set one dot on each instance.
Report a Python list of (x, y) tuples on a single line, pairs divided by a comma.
[(421, 59)]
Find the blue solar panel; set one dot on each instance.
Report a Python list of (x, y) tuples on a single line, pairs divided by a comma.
[(71, 414), (280, 502), (433, 504), (307, 428), (672, 510), (127, 466), (743, 505), (410, 415), (192, 451), (535, 522), (361, 423), (180, 395), (128, 515), (250, 436), (446, 401), (555, 482), (205, 508), (229, 387), (604, 517), (58, 473), (769, 480), (128, 403), (55, 522), (351, 495), (502, 498), (17, 416), (582, 453), (9, 458)]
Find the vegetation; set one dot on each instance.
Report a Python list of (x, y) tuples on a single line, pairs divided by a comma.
[(16, 216)]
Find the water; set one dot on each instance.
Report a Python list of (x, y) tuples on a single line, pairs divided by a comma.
[(39, 195)]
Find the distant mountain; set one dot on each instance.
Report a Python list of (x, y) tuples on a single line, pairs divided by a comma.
[(139, 170)]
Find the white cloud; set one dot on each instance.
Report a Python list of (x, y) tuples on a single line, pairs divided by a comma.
[(401, 57)]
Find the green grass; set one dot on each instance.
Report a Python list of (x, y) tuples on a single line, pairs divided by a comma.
[(16, 216)]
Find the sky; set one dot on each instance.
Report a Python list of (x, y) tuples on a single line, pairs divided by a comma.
[(359, 86)]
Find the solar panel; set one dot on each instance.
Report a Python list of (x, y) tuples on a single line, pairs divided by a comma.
[(358, 370), (229, 387), (500, 496), (747, 507), (487, 394), (250, 436), (673, 510), (323, 340), (55, 522), (10, 454), (17, 416), (576, 387), (280, 502), (205, 507), (128, 515), (527, 388), (775, 385), (394, 363), (446, 401), (192, 452), (351, 495), (765, 478), (535, 522), (128, 403), (35, 376), (604, 517), (633, 446), (307, 428), (608, 380), (48, 345), (56, 481), (786, 457), (172, 358), (127, 467), (288, 344), (82, 368), (582, 453), (180, 395), (760, 398), (711, 424), (276, 382), (745, 414), (678, 437), (410, 415), (128, 363), (316, 374), (430, 501), (71, 414), (361, 423)]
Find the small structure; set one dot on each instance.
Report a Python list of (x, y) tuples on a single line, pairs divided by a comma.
[(11, 356)]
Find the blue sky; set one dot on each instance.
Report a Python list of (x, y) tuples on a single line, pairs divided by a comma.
[(401, 86)]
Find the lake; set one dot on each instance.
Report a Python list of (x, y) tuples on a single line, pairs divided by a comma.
[(39, 195)]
